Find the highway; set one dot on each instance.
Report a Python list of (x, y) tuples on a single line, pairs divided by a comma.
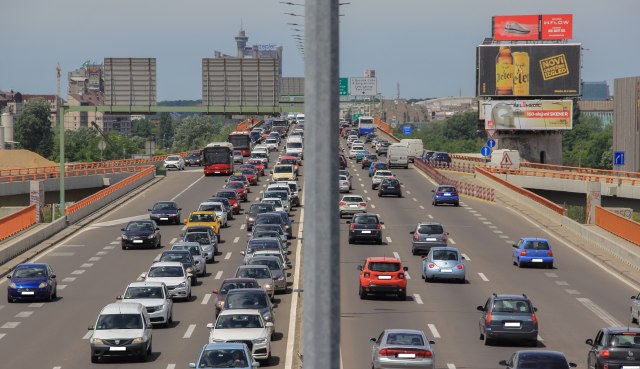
[(92, 270), (574, 299)]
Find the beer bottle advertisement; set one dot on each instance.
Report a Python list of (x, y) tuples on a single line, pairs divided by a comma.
[(535, 70)]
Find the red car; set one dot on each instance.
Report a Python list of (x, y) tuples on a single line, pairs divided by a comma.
[(382, 276), (251, 174), (240, 189), (233, 198), (292, 160), (238, 176), (258, 164)]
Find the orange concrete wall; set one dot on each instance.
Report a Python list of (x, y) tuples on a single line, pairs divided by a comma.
[(618, 225), (16, 222)]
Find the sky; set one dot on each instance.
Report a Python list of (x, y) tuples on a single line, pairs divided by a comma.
[(426, 46)]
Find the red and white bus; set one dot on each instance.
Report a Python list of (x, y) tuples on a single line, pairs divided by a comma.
[(217, 158), (241, 141)]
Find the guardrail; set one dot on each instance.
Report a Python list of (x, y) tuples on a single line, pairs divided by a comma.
[(18, 221), (618, 225), (465, 188), (590, 171), (566, 175)]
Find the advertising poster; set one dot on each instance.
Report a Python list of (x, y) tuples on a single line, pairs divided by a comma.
[(556, 27), (529, 70), (516, 27), (532, 115)]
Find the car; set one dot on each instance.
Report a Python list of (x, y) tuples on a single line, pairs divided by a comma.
[(229, 284), (284, 172), (271, 218), (154, 297), (365, 227), (361, 154), (390, 186), (344, 184), (32, 281), (288, 223), (251, 174), (443, 263), (173, 275), (282, 194), (258, 164), (273, 252), (193, 158), (270, 227), (200, 228), (508, 317), (445, 194), (141, 233), (239, 177), (346, 173), (440, 158), (427, 235), (367, 160), (184, 257), (262, 156), (251, 298), (277, 270), (382, 276), (402, 348), (382, 148), (635, 309), (121, 329), (260, 273), (426, 156), (208, 243), (237, 156), (225, 355), (264, 243), (240, 189), (290, 160), (343, 162), (233, 198), (272, 144), (218, 208), (228, 207), (165, 211), (254, 210), (355, 149), (276, 202), (294, 190), (532, 251), (204, 218), (614, 347), (377, 165), (175, 162), (246, 326), (537, 359), (352, 204), (379, 176), (197, 253)]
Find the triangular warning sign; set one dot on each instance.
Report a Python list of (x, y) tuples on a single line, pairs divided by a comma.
[(506, 161)]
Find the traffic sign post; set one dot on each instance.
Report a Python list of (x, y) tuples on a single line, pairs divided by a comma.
[(506, 161), (343, 87), (407, 130), (491, 142), (485, 151), (618, 158), (490, 132)]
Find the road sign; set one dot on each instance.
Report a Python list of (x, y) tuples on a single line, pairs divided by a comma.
[(506, 160), (344, 87), (491, 142), (407, 130), (363, 86), (101, 145), (490, 132), (355, 117), (485, 151), (618, 158)]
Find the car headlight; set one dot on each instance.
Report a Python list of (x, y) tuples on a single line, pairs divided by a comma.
[(217, 340), (42, 285), (124, 237), (220, 304), (268, 317), (12, 285), (251, 219), (183, 284), (286, 226), (151, 236), (138, 340), (281, 278), (267, 286), (259, 340), (97, 341), (189, 270), (157, 308)]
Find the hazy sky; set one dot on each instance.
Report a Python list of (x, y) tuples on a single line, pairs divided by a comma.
[(427, 46)]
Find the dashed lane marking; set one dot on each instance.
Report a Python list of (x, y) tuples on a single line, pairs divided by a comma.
[(562, 283), (472, 211), (373, 206), (102, 252), (87, 335), (71, 246), (408, 192), (503, 236), (62, 286), (36, 305), (242, 226), (108, 247), (86, 265), (389, 239), (492, 226), (365, 191), (452, 241), (62, 253), (24, 314), (171, 366), (396, 255), (173, 240), (466, 257), (428, 215), (450, 366), (482, 218), (218, 275), (368, 198), (10, 325), (572, 292), (483, 277), (551, 275), (257, 198), (227, 256), (69, 279), (477, 215), (384, 226), (433, 330), (114, 243), (205, 299), (189, 332), (510, 242), (95, 258), (417, 299), (78, 271), (497, 231), (421, 207), (235, 240), (406, 275), (362, 184), (414, 199), (487, 223), (540, 338), (2, 335)]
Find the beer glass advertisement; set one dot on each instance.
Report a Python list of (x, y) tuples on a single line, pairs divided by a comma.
[(529, 70), (533, 115)]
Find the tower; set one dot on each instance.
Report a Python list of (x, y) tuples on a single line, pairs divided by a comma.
[(241, 41)]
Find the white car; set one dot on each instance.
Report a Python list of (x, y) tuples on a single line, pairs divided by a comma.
[(354, 151), (276, 202), (379, 176), (173, 275), (263, 156), (345, 186), (352, 204), (243, 325), (155, 298), (216, 207), (237, 156), (174, 162), (271, 144)]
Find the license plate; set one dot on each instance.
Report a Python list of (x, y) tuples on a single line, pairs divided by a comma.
[(27, 293), (446, 270), (406, 356), (392, 188), (164, 218), (432, 239), (447, 194), (512, 324), (536, 260), (137, 241), (216, 172), (630, 367), (384, 277), (113, 348), (366, 231)]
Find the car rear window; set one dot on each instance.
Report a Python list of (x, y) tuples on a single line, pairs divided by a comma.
[(536, 245), (538, 360), (447, 189), (366, 220), (384, 267), (445, 255), (625, 339), (430, 229), (511, 306), (352, 199), (408, 339)]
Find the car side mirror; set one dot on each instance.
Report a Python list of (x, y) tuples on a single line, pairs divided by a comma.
[(573, 365), (90, 328), (209, 325), (192, 365), (179, 209), (143, 275), (53, 276), (242, 253), (157, 228), (148, 209), (381, 222), (589, 342), (123, 229), (480, 308), (269, 325), (9, 276), (503, 363), (406, 269), (433, 190), (432, 342), (633, 297), (360, 267), (274, 305), (372, 339), (412, 232), (119, 297), (348, 222), (535, 309), (514, 245)]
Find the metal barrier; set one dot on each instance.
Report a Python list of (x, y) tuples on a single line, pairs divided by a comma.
[(591, 171), (567, 175), (469, 158), (465, 188), (618, 225), (16, 222)]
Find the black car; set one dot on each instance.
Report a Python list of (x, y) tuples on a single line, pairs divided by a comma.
[(141, 233), (390, 186), (365, 227), (440, 158), (367, 160), (165, 211), (250, 298), (427, 155), (537, 359), (193, 158), (184, 257), (369, 137), (269, 218), (343, 162), (227, 205), (255, 209), (614, 347), (508, 317)]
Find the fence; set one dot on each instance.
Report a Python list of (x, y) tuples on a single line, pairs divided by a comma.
[(465, 188), (16, 222), (576, 176), (618, 225)]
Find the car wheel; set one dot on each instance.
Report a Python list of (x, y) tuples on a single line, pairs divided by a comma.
[(379, 195), (550, 266), (350, 240), (94, 358), (169, 320), (55, 292), (194, 281), (634, 319), (413, 251), (204, 272), (9, 300), (362, 294), (379, 241), (487, 341), (402, 296), (145, 356), (124, 247), (159, 245), (434, 203), (456, 204), (519, 263), (50, 297)]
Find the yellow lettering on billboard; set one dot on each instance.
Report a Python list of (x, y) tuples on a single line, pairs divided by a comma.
[(554, 67)]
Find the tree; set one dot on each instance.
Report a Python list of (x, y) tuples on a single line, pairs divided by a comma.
[(166, 130), (33, 128), (141, 128), (195, 132)]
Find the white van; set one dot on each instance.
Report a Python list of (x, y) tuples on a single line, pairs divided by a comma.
[(415, 147), (300, 118), (397, 156)]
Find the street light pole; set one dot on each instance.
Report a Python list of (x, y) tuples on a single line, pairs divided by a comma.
[(62, 174)]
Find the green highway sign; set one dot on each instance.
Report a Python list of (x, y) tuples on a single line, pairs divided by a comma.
[(344, 87)]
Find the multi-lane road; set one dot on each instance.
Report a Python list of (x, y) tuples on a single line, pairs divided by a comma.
[(92, 270)]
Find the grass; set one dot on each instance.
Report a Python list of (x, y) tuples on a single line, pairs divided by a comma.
[(47, 214), (577, 213)]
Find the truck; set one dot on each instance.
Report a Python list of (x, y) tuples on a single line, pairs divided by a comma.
[(415, 148), (397, 156)]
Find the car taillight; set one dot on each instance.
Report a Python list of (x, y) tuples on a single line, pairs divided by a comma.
[(439, 193), (378, 226), (549, 253), (363, 204), (488, 318), (401, 275), (416, 237), (395, 352), (432, 265), (523, 253), (534, 320), (367, 274), (342, 203), (353, 226), (605, 353), (460, 266)]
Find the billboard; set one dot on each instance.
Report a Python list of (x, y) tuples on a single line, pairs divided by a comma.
[(532, 27), (130, 81), (532, 115), (528, 70)]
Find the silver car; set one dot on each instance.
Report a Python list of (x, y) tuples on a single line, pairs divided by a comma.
[(246, 326), (427, 235), (443, 263), (196, 252), (175, 162), (277, 270), (344, 172), (260, 273), (173, 275), (155, 298), (209, 245), (344, 184), (352, 204), (402, 348)]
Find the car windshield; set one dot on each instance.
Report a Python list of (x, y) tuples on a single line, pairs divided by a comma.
[(270, 234), (166, 271), (625, 339), (173, 158), (175, 256), (223, 358), (119, 321), (244, 300), (194, 250), (234, 185), (271, 141), (271, 263), (227, 194), (430, 229), (294, 145), (202, 218), (267, 227), (391, 182), (289, 161), (30, 272), (536, 245), (140, 227), (279, 194), (211, 207), (269, 219), (511, 306), (276, 202), (533, 360), (384, 267), (144, 293), (239, 321), (237, 285), (259, 155), (445, 255), (283, 169), (408, 339), (352, 199), (261, 208), (164, 206), (256, 273), (446, 189), (381, 166), (366, 220), (248, 171), (200, 237), (383, 173)]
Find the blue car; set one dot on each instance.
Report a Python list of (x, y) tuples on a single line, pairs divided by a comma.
[(445, 194), (443, 263), (32, 282), (532, 251), (378, 165), (225, 355)]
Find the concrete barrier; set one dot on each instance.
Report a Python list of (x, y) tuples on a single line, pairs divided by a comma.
[(25, 242), (16, 222), (618, 225)]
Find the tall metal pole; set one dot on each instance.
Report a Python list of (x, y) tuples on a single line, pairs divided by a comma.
[(61, 127), (321, 320)]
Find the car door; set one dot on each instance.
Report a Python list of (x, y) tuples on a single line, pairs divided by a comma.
[(483, 317), (593, 351), (516, 250), (375, 349)]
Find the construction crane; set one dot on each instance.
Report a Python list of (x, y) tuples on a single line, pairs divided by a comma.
[(104, 135)]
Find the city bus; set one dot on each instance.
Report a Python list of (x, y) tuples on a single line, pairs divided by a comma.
[(365, 126), (241, 141), (217, 158)]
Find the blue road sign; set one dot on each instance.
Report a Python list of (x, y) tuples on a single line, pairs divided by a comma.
[(485, 151), (491, 142), (407, 130), (618, 158)]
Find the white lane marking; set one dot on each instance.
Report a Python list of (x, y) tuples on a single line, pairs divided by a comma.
[(452, 241), (551, 275), (114, 243), (114, 222), (294, 304), (205, 299), (414, 199), (472, 211), (95, 258), (421, 207), (365, 191), (10, 325), (468, 207), (497, 231), (218, 275), (189, 332), (78, 271), (69, 279), (402, 185), (562, 283), (87, 335), (406, 275), (450, 366), (24, 314), (373, 206), (227, 256), (388, 239), (417, 299), (360, 179), (396, 255), (171, 366), (486, 223), (264, 185), (408, 192), (482, 218), (503, 236), (430, 216), (62, 286), (235, 240), (242, 226), (36, 305), (108, 247), (573, 292), (383, 226), (466, 257), (362, 184), (483, 277), (62, 254), (433, 330), (358, 174), (118, 238), (173, 240), (102, 252), (477, 215), (428, 178), (261, 191), (510, 242), (491, 226), (71, 246), (368, 198), (57, 367), (600, 312), (594, 261), (540, 338), (257, 198), (2, 335), (86, 265)]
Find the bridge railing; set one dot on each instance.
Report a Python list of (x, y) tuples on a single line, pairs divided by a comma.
[(618, 225), (580, 170), (567, 175), (18, 221)]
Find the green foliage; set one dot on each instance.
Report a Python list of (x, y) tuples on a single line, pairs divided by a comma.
[(142, 128), (33, 129), (195, 132), (577, 213), (456, 134), (588, 144), (166, 131)]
